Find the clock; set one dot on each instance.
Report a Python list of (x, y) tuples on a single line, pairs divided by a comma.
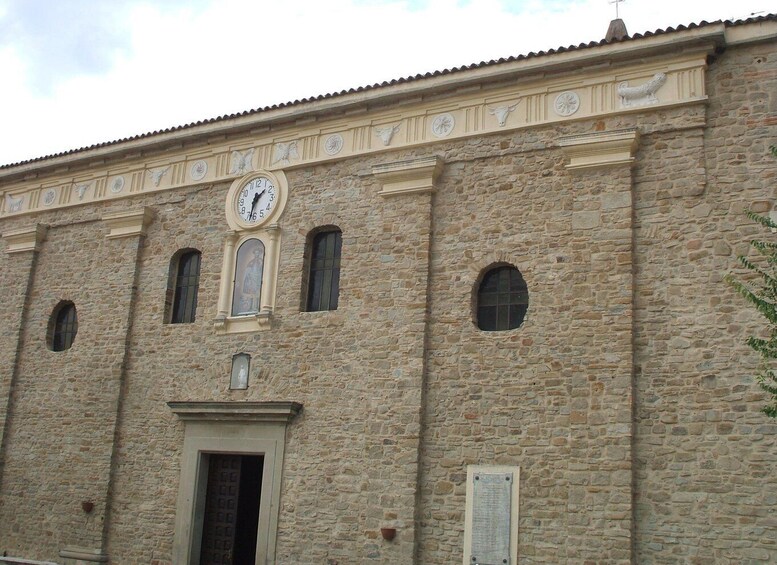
[(256, 199)]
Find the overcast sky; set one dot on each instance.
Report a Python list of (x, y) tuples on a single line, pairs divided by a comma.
[(78, 72)]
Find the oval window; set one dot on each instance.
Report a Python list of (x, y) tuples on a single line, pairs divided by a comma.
[(502, 300)]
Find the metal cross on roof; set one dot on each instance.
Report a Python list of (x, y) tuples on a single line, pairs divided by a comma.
[(616, 2)]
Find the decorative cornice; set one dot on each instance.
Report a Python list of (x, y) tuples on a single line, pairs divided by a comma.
[(25, 239), (408, 177), (400, 123), (600, 149), (271, 411), (128, 224), (702, 38)]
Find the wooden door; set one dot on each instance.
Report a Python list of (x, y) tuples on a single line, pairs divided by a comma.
[(232, 499), (220, 522)]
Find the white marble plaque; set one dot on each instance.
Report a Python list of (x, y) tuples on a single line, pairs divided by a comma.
[(491, 505)]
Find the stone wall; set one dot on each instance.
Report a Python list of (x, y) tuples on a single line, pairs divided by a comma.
[(704, 455), (625, 397), (62, 418), (351, 455)]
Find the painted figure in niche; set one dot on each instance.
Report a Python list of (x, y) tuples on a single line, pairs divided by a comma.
[(249, 266), (252, 281)]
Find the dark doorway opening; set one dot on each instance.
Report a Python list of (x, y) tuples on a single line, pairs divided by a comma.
[(231, 519)]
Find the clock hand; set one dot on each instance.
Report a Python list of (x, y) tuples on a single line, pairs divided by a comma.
[(254, 203)]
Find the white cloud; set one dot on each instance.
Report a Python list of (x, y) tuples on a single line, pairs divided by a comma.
[(181, 62)]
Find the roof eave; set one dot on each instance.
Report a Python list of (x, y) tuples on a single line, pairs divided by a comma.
[(704, 39)]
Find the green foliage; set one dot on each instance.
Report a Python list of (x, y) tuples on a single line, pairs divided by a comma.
[(761, 292)]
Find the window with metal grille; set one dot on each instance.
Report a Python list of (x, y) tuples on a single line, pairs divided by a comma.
[(186, 284), (324, 271), (502, 300), (65, 326)]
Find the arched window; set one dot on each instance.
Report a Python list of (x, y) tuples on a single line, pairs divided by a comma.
[(249, 271), (502, 299), (184, 284), (323, 280), (63, 326)]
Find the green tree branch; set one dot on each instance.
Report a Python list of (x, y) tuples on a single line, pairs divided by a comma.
[(762, 294)]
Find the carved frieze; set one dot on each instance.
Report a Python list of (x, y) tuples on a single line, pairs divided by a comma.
[(157, 174), (474, 112), (643, 94), (333, 144), (49, 196), (385, 133), (501, 113), (81, 190), (443, 124), (117, 184), (241, 162), (566, 103), (198, 169), (14, 204), (285, 152)]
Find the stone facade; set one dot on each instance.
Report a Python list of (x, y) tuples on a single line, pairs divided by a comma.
[(626, 396)]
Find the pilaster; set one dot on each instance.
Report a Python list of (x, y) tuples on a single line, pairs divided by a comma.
[(406, 248), (17, 270), (600, 467), (126, 232)]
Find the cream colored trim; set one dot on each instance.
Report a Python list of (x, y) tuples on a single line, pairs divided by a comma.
[(25, 239), (272, 264), (514, 508), (701, 39), (751, 33), (227, 270), (128, 224), (408, 177), (270, 411), (79, 555), (250, 428), (278, 179), (225, 323), (243, 324), (601, 149), (277, 147)]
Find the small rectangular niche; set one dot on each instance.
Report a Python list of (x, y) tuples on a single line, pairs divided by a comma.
[(491, 520)]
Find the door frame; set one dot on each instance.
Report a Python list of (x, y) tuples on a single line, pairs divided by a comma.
[(244, 428)]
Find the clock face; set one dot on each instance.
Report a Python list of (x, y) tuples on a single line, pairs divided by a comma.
[(256, 200)]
